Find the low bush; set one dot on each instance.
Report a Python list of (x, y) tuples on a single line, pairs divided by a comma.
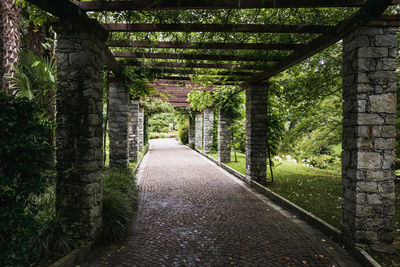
[(119, 203), (53, 239), (183, 133)]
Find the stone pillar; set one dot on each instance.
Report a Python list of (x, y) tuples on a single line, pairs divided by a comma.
[(118, 124), (369, 119), (192, 131), (141, 128), (208, 129), (256, 133), (198, 142), (79, 131), (224, 137), (133, 130)]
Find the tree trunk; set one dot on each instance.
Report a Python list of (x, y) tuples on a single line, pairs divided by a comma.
[(10, 19)]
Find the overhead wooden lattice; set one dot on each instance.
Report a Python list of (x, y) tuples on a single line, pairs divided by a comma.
[(267, 58), (176, 92)]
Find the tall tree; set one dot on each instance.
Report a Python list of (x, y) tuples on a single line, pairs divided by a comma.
[(10, 19)]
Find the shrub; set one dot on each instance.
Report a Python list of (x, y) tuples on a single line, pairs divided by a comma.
[(52, 240), (183, 133), (24, 158), (119, 203)]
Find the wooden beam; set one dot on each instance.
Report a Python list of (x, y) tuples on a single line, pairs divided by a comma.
[(167, 64), (224, 73), (211, 46), (66, 10), (174, 82), (231, 28), (196, 57), (371, 10), (220, 82), (387, 20), (216, 4)]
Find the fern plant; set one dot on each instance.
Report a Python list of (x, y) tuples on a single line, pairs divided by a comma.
[(35, 78)]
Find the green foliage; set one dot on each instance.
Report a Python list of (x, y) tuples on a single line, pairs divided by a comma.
[(231, 102), (24, 159), (183, 133), (160, 122), (154, 105), (136, 80), (35, 77), (238, 135), (317, 137), (199, 100), (53, 240), (120, 197)]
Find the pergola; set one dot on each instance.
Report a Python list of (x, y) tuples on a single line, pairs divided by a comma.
[(176, 92), (369, 92)]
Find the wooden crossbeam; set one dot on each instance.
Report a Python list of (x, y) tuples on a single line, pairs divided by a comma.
[(223, 73), (210, 46), (174, 82), (64, 9), (197, 57), (228, 28), (216, 4), (167, 64), (387, 20), (220, 82), (373, 9)]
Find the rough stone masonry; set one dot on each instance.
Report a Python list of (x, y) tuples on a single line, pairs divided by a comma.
[(198, 130), (208, 129), (133, 130), (79, 126), (191, 131), (369, 119), (256, 129), (118, 124), (141, 128), (224, 137)]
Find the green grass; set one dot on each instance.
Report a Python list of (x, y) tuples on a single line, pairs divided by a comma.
[(314, 190), (119, 201), (317, 191)]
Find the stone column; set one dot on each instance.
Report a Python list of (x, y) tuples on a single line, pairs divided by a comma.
[(198, 142), (369, 119), (208, 129), (133, 130), (256, 133), (79, 132), (224, 137), (192, 131), (118, 125), (141, 128)]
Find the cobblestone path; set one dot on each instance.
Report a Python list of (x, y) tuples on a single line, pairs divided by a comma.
[(191, 213)]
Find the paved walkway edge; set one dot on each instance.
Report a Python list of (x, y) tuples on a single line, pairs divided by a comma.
[(362, 256), (78, 255)]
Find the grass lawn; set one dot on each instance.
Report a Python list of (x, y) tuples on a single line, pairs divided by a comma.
[(317, 191)]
